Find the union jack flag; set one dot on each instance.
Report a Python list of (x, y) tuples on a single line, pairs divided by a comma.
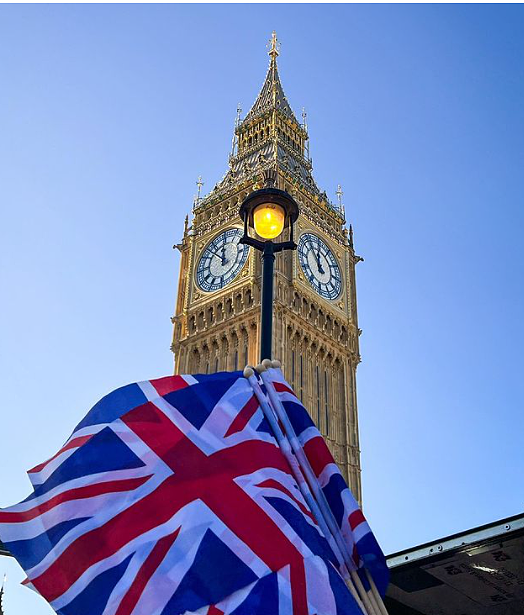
[(171, 496)]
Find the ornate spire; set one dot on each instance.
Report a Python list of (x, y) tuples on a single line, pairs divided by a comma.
[(270, 138), (272, 94)]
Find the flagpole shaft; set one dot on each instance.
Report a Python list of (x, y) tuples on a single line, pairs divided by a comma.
[(285, 447), (306, 468), (366, 598), (378, 597), (369, 600)]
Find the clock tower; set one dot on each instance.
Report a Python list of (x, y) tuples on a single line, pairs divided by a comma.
[(315, 329)]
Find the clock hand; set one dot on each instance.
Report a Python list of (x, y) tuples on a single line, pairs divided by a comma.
[(315, 256), (222, 256), (320, 268), (214, 253)]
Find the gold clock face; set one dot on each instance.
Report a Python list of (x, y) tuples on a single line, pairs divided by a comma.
[(320, 266), (221, 260)]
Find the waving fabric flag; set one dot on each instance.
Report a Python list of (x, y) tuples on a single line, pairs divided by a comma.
[(172, 497), (357, 534)]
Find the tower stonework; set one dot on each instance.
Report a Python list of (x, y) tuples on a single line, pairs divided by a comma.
[(315, 328)]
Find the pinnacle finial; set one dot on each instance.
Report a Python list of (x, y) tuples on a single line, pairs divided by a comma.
[(274, 46), (199, 184), (339, 194), (234, 141)]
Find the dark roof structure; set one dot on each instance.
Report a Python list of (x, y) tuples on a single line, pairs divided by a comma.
[(476, 572)]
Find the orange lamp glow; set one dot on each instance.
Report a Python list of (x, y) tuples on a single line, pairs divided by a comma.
[(268, 219)]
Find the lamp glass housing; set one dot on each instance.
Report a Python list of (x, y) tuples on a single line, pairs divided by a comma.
[(268, 220)]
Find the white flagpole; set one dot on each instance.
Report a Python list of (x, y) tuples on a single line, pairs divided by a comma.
[(369, 598), (303, 461), (283, 443)]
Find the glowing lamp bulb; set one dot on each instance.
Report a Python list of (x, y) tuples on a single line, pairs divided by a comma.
[(268, 219)]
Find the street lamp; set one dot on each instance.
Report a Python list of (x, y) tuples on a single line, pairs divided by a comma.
[(268, 211)]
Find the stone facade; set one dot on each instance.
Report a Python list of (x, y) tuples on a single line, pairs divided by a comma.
[(315, 338)]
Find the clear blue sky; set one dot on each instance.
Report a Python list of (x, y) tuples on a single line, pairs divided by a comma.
[(109, 113)]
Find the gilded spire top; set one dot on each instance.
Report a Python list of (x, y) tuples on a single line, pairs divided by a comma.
[(274, 46), (271, 95)]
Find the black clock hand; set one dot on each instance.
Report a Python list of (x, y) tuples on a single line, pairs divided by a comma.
[(222, 256), (317, 257), (320, 268), (214, 253)]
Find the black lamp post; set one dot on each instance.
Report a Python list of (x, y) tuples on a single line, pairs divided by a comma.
[(268, 211)]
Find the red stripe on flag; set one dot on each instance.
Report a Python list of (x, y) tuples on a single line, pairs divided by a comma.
[(356, 518), (80, 493), (72, 444), (166, 385), (150, 424), (271, 483), (210, 478), (212, 610), (243, 417), (283, 388), (152, 562), (318, 454)]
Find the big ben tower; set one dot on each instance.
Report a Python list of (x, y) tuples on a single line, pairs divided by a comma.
[(216, 325)]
